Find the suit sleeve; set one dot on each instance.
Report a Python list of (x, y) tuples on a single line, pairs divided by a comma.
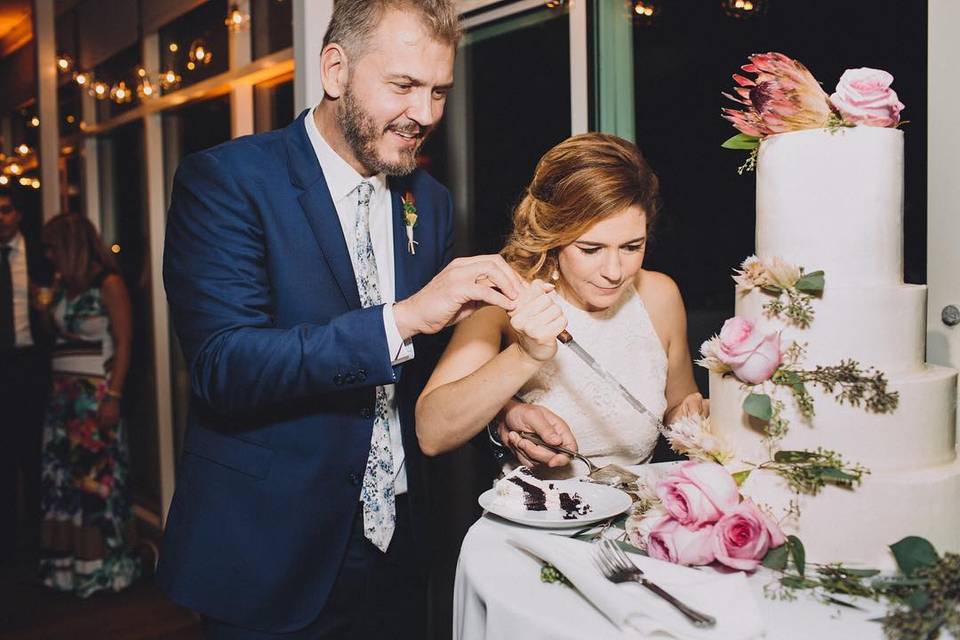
[(220, 301)]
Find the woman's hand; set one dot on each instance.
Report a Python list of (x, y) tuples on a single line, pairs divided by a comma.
[(537, 321), (108, 414), (519, 416), (691, 405)]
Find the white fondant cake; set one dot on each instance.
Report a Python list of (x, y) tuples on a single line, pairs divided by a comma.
[(833, 201)]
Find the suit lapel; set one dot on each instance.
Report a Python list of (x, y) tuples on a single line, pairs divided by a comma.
[(319, 210), (403, 260)]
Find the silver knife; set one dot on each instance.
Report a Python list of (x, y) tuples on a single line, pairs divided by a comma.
[(566, 338)]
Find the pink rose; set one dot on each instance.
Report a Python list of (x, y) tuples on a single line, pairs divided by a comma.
[(698, 493), (864, 96), (752, 356), (742, 537), (671, 541)]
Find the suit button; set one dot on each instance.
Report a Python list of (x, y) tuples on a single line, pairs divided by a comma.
[(354, 478), (361, 376), (366, 413)]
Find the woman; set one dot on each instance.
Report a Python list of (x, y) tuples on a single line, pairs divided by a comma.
[(86, 501), (579, 236)]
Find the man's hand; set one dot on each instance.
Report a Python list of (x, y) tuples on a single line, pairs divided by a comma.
[(519, 416), (465, 285)]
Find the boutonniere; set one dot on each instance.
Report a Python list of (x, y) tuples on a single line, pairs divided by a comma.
[(410, 219)]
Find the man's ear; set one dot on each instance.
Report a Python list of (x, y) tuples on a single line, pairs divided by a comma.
[(333, 70)]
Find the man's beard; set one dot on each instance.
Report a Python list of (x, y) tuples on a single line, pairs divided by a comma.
[(361, 133)]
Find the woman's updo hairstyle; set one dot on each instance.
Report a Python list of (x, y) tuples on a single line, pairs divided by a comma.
[(577, 183)]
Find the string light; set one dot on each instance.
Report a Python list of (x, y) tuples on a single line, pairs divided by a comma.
[(115, 248), (120, 93), (145, 89), (199, 53), (14, 168), (555, 4), (25, 181), (34, 122), (64, 63), (82, 78), (23, 149), (35, 183), (100, 90), (4, 181), (173, 47), (236, 20), (743, 8), (644, 8), (169, 79)]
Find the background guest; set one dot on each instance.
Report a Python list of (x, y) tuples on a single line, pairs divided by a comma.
[(24, 379), (86, 501)]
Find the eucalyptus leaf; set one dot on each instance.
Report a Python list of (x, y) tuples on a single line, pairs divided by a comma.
[(787, 377), (918, 600), (798, 553), (741, 476), (620, 522), (842, 603), (860, 573), (741, 141), (791, 457), (759, 406), (776, 558), (812, 282), (830, 474), (796, 582), (626, 546), (772, 289), (914, 553)]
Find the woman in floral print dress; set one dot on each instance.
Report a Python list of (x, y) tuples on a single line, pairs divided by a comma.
[(86, 496)]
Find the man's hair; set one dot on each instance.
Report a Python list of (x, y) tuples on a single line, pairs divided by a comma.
[(354, 21)]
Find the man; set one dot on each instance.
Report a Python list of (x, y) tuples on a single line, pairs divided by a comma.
[(24, 378), (300, 493)]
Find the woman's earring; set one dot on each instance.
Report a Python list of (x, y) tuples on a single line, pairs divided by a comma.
[(554, 275)]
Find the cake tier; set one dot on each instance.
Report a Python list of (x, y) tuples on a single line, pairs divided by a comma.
[(833, 200), (882, 326), (920, 433), (856, 526)]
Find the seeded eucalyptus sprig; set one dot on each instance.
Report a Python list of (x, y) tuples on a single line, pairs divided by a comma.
[(809, 471), (798, 307), (853, 385)]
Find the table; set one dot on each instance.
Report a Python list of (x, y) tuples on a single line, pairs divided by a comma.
[(498, 595)]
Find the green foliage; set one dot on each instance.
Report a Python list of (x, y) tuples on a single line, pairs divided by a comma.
[(758, 405)]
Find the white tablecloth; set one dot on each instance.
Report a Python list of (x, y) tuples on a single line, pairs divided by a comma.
[(499, 595)]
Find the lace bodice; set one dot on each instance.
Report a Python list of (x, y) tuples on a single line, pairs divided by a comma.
[(623, 340)]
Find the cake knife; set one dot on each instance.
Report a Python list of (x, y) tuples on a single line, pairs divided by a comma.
[(567, 339)]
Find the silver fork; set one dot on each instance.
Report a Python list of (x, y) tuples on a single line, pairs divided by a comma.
[(617, 567)]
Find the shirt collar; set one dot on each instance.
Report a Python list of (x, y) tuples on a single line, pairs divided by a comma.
[(342, 179), (15, 244)]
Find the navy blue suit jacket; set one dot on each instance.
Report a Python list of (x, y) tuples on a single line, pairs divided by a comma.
[(283, 365)]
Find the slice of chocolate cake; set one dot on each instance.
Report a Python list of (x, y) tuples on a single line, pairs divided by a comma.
[(522, 491)]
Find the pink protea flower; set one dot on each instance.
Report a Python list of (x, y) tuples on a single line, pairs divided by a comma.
[(783, 97)]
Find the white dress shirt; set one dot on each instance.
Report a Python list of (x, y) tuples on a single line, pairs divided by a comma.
[(342, 181), (21, 291)]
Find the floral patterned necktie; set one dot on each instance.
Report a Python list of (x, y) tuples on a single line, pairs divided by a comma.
[(377, 493)]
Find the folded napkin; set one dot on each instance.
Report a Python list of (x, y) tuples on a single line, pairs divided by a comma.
[(640, 613)]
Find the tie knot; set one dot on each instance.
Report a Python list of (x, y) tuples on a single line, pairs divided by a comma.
[(364, 191)]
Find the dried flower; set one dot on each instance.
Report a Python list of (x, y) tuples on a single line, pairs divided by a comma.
[(691, 435)]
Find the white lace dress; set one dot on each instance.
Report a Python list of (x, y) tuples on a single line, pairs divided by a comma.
[(622, 339)]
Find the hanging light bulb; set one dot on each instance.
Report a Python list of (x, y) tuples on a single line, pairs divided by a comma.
[(100, 90), (644, 8), (4, 181), (236, 20), (23, 149), (34, 122), (743, 8), (35, 183), (120, 93), (145, 89), (83, 78), (200, 53), (14, 169), (169, 79), (64, 63)]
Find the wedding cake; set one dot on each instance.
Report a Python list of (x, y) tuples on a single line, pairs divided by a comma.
[(832, 200), (520, 490)]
